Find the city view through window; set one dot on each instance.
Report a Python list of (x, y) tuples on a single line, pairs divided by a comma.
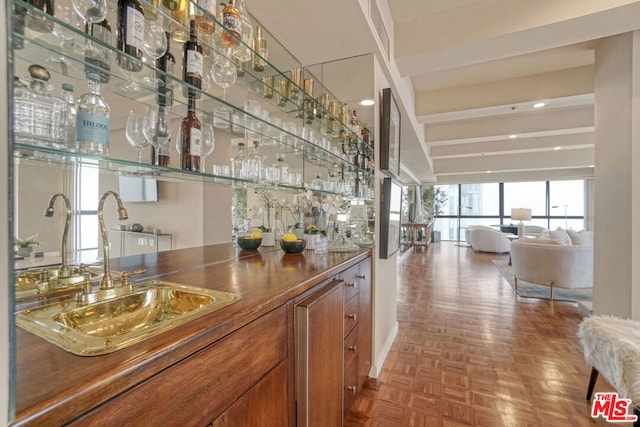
[(553, 204)]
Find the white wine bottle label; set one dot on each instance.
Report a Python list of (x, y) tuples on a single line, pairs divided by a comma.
[(135, 28), (195, 64), (195, 142), (92, 128), (208, 6)]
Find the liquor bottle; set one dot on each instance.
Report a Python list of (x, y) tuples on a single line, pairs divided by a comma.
[(255, 163), (366, 134), (181, 16), (237, 163), (130, 34), (354, 126), (191, 142), (68, 117), (92, 120), (97, 58), (192, 62), (232, 21), (205, 16), (45, 107), (166, 67)]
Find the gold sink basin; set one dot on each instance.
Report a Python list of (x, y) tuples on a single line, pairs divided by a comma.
[(106, 326), (47, 280)]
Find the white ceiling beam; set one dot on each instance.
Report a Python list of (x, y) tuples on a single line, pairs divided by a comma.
[(506, 94), (517, 176), (491, 31)]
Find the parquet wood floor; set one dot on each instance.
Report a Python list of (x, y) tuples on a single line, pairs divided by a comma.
[(471, 352)]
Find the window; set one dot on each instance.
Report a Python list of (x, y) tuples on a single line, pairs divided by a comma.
[(532, 195), (86, 219)]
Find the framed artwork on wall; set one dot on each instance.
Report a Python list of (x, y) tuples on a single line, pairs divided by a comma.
[(389, 134), (390, 218)]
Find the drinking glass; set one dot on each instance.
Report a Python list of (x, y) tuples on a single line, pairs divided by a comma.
[(155, 46), (92, 11), (157, 128), (67, 15), (208, 143), (134, 131), (224, 74)]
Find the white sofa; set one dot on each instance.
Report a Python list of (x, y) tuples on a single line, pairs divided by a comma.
[(545, 262), (486, 239)]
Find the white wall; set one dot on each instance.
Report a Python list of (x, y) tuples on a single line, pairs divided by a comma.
[(616, 186), (385, 323), (5, 218)]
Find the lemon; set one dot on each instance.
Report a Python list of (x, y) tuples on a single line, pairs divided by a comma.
[(256, 235), (289, 237)]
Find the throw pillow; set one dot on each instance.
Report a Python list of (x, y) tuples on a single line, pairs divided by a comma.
[(582, 237), (560, 236)]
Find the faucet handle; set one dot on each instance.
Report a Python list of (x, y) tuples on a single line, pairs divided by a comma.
[(124, 277)]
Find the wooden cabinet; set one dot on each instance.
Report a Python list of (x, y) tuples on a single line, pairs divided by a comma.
[(357, 329), (333, 347), (200, 388), (318, 323)]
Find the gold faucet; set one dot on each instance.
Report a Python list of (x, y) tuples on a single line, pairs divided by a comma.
[(64, 268), (107, 281)]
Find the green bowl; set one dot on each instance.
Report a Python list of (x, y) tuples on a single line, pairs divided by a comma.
[(293, 247), (249, 243)]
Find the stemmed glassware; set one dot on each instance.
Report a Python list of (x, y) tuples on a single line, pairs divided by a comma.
[(224, 74), (92, 11), (155, 46), (134, 131), (67, 15), (208, 143), (157, 128)]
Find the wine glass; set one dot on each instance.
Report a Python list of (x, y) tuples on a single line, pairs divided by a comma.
[(157, 128), (134, 131), (224, 74), (67, 15), (155, 46), (208, 143), (92, 11)]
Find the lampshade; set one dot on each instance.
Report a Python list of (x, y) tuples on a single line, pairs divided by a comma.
[(521, 214)]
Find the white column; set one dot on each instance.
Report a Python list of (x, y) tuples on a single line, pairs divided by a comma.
[(617, 169)]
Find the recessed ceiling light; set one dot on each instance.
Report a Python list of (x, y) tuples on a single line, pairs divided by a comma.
[(514, 136), (539, 105), (366, 102), (557, 148), (488, 171)]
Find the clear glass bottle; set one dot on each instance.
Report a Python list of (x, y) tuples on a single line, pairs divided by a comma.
[(92, 120), (45, 107), (316, 183), (22, 112), (255, 163), (205, 15), (283, 169), (242, 52), (238, 162), (68, 117)]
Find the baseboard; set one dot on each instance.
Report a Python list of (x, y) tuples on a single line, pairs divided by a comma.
[(386, 348), (405, 255)]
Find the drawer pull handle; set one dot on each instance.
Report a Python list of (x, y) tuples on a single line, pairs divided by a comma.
[(361, 276), (352, 389), (350, 284), (353, 348), (352, 316)]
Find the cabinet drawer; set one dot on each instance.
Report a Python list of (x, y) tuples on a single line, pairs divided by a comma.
[(351, 348), (350, 387), (351, 315), (198, 389), (350, 277)]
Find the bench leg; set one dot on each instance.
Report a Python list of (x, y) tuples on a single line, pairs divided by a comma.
[(551, 292), (592, 382)]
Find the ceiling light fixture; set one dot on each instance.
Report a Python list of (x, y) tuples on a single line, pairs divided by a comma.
[(539, 105), (557, 148), (514, 136), (488, 171), (366, 102)]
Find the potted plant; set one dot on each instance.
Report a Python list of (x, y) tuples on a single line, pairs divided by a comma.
[(268, 203), (433, 200), (25, 246)]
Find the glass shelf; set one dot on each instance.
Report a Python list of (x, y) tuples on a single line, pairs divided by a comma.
[(328, 147)]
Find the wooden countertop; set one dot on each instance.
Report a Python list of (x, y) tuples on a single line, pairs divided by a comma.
[(54, 386)]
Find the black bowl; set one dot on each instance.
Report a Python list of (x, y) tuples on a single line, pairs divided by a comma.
[(293, 247), (248, 243)]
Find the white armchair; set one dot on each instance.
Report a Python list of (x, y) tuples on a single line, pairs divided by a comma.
[(486, 239), (553, 265)]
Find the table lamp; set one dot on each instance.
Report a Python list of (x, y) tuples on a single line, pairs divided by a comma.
[(521, 214)]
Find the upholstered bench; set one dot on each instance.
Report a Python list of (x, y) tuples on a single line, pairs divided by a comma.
[(612, 348)]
